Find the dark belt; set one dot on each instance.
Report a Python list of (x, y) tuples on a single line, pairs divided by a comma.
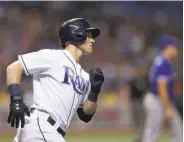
[(52, 122)]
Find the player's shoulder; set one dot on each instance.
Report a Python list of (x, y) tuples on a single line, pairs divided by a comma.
[(49, 51), (159, 61)]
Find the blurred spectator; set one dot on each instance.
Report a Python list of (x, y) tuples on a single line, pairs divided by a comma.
[(138, 87)]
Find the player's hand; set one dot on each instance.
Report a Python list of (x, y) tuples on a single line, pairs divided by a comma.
[(17, 109), (169, 113), (96, 79)]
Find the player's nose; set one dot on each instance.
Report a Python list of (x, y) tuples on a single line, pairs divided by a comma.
[(92, 40)]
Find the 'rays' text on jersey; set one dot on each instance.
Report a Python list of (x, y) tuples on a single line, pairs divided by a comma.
[(79, 84)]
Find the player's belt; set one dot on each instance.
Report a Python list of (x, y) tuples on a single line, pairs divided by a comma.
[(52, 122)]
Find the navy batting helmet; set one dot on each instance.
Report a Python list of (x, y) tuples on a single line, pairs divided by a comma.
[(75, 31)]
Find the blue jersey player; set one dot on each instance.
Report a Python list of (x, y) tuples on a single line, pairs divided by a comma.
[(159, 102)]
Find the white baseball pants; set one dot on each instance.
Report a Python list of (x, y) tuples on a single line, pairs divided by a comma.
[(155, 118), (37, 129)]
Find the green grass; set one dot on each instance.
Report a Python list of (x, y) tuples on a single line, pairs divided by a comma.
[(105, 138)]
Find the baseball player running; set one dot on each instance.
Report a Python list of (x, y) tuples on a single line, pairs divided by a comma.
[(60, 86), (159, 102)]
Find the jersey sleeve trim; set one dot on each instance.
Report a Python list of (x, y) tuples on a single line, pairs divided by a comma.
[(24, 65)]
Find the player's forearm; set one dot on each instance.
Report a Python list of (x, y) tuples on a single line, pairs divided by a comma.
[(17, 107), (163, 94), (164, 99), (14, 73), (90, 107), (96, 80)]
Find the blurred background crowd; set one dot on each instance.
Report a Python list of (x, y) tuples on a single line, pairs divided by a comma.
[(124, 51)]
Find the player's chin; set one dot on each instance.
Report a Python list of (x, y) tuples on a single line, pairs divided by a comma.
[(89, 52)]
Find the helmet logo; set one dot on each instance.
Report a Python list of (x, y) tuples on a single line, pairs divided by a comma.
[(76, 27)]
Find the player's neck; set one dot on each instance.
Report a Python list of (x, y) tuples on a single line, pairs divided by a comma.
[(75, 52), (166, 55)]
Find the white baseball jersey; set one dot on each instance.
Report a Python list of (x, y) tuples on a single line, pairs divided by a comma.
[(60, 85)]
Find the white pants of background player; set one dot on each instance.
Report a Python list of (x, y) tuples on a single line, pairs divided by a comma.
[(37, 129), (155, 118)]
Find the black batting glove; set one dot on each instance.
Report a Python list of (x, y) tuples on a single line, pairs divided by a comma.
[(17, 110), (96, 79)]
